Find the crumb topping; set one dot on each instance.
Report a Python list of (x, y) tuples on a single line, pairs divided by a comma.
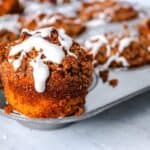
[(46, 51), (111, 46), (113, 82)]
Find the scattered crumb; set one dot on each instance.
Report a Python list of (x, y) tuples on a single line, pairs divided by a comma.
[(113, 82), (8, 109), (104, 75), (80, 111)]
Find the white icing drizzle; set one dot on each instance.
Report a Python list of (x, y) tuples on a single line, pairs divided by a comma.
[(40, 74), (50, 51), (17, 62), (66, 42), (96, 22), (96, 42), (125, 42), (48, 20)]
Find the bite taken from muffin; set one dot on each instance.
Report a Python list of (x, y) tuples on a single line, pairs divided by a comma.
[(46, 74)]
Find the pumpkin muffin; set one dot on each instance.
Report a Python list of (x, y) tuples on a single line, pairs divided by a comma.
[(107, 10), (46, 74), (123, 49)]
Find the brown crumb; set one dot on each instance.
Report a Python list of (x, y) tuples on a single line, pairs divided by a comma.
[(8, 109), (104, 75), (113, 82)]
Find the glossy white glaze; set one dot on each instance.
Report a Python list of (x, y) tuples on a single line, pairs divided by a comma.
[(51, 52)]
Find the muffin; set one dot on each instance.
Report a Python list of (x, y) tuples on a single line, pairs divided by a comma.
[(10, 7), (46, 74), (72, 25), (124, 49), (108, 11), (7, 36)]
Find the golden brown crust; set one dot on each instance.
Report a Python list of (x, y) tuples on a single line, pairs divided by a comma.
[(10, 6), (68, 83), (39, 107), (5, 37), (71, 25), (112, 10)]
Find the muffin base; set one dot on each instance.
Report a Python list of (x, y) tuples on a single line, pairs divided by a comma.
[(43, 108)]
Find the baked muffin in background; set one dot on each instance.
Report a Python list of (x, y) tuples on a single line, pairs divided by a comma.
[(107, 10), (119, 49), (72, 25), (46, 74)]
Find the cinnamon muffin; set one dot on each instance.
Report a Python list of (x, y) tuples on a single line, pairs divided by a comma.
[(123, 49), (72, 25), (46, 74), (6, 36), (107, 10)]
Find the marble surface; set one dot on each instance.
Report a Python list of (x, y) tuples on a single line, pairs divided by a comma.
[(124, 127)]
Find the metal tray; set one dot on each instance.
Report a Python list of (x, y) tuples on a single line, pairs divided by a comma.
[(101, 96)]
